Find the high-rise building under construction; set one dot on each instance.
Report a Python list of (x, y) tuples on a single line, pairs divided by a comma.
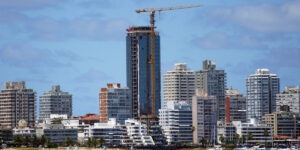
[(138, 61)]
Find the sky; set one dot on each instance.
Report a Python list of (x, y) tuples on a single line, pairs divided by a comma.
[(80, 44)]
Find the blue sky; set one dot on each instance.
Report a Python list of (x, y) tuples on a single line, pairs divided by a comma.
[(80, 44)]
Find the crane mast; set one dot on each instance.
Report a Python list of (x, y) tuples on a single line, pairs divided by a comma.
[(152, 56)]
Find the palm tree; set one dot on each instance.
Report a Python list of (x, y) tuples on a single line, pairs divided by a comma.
[(221, 138), (43, 140), (236, 138), (89, 142), (203, 142), (18, 140), (35, 141), (243, 139), (227, 140), (101, 140), (266, 134), (26, 140), (95, 142), (193, 129), (68, 141), (249, 136)]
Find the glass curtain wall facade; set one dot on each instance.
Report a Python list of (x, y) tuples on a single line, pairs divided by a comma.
[(138, 57)]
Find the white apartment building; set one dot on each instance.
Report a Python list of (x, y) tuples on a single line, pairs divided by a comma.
[(289, 97), (262, 88), (226, 130), (113, 133), (176, 122), (256, 129), (137, 132)]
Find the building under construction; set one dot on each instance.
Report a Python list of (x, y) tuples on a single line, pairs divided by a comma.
[(138, 56)]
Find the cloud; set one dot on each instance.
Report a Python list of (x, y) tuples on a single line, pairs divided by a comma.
[(262, 18), (96, 29), (25, 56), (47, 28), (12, 17), (222, 40), (26, 4), (95, 4), (92, 28), (281, 57), (92, 76)]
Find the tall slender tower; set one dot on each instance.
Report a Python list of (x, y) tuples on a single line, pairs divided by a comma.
[(138, 64), (17, 103), (262, 88), (213, 82), (204, 115)]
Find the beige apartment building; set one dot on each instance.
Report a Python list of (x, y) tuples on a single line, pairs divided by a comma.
[(17, 103), (179, 84)]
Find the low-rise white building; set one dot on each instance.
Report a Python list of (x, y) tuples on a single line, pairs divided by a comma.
[(23, 129), (226, 130), (113, 133), (176, 122), (57, 133), (137, 132), (261, 133)]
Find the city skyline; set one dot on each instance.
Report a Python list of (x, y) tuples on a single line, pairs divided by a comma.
[(77, 45)]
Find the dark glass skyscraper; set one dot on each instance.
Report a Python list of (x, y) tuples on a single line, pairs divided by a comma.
[(138, 54)]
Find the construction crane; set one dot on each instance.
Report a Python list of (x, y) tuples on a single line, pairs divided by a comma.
[(152, 34)]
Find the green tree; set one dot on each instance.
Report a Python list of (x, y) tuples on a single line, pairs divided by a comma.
[(203, 141), (193, 129), (243, 139), (236, 138), (68, 141), (227, 140), (249, 136), (101, 141), (95, 142), (221, 138), (89, 142), (43, 140), (266, 134), (27, 140), (56, 121), (35, 141), (18, 140)]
